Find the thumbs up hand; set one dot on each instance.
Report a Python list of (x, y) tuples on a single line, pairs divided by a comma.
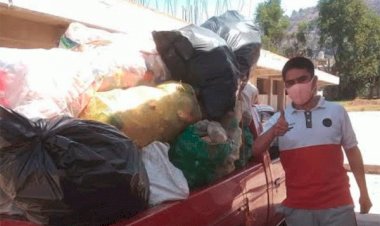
[(282, 126)]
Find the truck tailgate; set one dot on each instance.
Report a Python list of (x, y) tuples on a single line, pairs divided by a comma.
[(237, 199), (233, 200)]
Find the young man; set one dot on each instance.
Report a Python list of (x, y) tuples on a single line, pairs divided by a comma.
[(311, 133)]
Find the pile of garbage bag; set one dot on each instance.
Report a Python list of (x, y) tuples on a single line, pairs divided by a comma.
[(108, 124), (63, 171)]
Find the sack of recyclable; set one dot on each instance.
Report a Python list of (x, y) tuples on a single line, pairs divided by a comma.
[(245, 154), (166, 182), (42, 83), (230, 122), (123, 60), (146, 114), (247, 97), (195, 153), (201, 58), (66, 171), (241, 35), (211, 131)]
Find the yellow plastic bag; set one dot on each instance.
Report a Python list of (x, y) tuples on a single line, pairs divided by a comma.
[(146, 114)]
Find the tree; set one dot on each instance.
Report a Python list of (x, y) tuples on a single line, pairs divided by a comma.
[(370, 74), (273, 24), (353, 32), (296, 44)]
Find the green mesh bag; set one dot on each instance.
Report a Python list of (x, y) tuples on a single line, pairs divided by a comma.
[(197, 158)]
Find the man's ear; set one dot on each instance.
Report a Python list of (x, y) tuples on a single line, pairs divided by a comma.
[(315, 84), (315, 81)]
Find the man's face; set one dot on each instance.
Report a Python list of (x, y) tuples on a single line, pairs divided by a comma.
[(296, 75)]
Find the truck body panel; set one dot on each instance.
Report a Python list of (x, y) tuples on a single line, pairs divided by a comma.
[(227, 202)]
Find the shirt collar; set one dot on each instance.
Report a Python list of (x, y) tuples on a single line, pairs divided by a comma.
[(321, 104)]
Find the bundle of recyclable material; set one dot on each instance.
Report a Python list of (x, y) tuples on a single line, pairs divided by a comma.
[(110, 123), (146, 114)]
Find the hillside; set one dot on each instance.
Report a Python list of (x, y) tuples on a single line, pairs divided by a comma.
[(311, 14)]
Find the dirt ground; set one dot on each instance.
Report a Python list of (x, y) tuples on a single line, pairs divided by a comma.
[(362, 105)]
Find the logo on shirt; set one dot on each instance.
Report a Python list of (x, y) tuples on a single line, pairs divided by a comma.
[(327, 122)]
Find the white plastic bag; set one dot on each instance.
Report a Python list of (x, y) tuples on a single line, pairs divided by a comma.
[(166, 181)]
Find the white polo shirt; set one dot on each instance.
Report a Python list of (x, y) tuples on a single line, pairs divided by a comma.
[(312, 157)]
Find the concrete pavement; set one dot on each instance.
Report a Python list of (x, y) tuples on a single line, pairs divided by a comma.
[(367, 127)]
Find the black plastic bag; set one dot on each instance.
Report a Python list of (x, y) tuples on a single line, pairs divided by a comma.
[(201, 58), (67, 171), (241, 35)]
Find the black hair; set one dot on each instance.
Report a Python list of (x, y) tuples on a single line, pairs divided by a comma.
[(299, 63)]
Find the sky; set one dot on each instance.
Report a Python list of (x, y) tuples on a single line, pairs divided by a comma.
[(245, 7), (287, 5), (290, 5)]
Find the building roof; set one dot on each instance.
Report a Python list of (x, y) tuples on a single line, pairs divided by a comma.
[(116, 15), (123, 16)]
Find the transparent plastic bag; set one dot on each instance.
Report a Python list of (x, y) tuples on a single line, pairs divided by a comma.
[(42, 83), (124, 60)]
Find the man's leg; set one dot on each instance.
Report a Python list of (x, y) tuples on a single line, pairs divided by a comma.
[(341, 216)]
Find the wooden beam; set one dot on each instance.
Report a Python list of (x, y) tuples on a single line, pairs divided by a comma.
[(270, 91), (281, 96), (253, 76)]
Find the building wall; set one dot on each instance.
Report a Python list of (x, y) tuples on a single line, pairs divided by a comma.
[(271, 92)]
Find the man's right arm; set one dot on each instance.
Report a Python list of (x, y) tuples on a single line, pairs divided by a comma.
[(263, 142)]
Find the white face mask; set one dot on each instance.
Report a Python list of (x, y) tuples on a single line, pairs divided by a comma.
[(301, 93)]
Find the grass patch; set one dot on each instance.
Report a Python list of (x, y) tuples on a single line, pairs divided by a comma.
[(361, 105)]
